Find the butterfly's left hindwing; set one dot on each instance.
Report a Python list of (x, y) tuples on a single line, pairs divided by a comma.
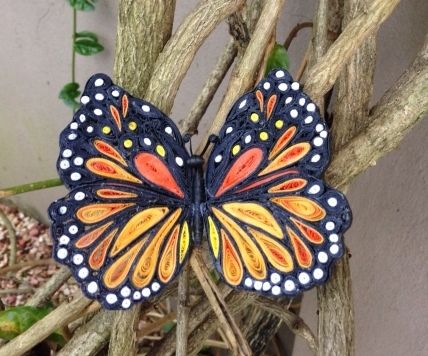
[(273, 226), (125, 227)]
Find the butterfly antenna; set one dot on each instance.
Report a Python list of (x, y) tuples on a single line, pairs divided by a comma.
[(187, 138), (211, 139)]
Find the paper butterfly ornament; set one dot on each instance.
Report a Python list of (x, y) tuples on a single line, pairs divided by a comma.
[(139, 201)]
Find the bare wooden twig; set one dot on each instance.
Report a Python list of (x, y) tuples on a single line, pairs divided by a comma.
[(26, 264), (178, 54), (233, 335), (11, 235), (123, 338), (143, 28), (244, 73), (44, 292), (183, 309), (324, 73), (399, 109), (293, 321), (295, 30), (43, 328)]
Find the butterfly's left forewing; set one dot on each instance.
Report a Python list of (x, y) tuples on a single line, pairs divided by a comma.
[(273, 225), (125, 227)]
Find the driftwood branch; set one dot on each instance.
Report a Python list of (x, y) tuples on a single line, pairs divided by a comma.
[(399, 109), (183, 309), (293, 321), (143, 28), (324, 73), (175, 60), (39, 331), (123, 339), (233, 335), (244, 73)]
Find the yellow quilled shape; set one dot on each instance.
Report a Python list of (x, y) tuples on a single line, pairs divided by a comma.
[(254, 117), (160, 150), (236, 149)]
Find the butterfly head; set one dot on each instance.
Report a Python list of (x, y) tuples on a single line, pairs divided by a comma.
[(195, 161)]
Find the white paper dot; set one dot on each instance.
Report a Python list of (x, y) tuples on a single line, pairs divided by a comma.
[(276, 290), (136, 295), (147, 141), (67, 153), (248, 282), (115, 93), (62, 210), (322, 257), (311, 107), (99, 96), (318, 273), (314, 189), (266, 85), (83, 273), (89, 129), (64, 240), (288, 100), (247, 139), (84, 99), (229, 129), (282, 86), (78, 259), (324, 134), (334, 237), (275, 278), (99, 82), (168, 130), (334, 249), (145, 108), (98, 112), (289, 285), (78, 161), (302, 101), (258, 285), (294, 113), (308, 119), (332, 202), (75, 176), (179, 161), (319, 127), (304, 278), (295, 86), (266, 286), (64, 164), (315, 158), (74, 125), (146, 292), (72, 136), (92, 287), (111, 298), (155, 286), (82, 118), (279, 74), (218, 158), (242, 103), (318, 141), (126, 303), (125, 292), (330, 225), (62, 253), (73, 229)]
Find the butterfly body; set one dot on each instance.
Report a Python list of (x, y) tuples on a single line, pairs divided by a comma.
[(139, 202)]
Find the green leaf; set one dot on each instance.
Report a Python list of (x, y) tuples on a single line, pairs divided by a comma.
[(168, 326), (278, 58), (86, 43), (15, 321), (83, 5), (69, 93)]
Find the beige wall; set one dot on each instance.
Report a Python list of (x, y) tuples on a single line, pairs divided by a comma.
[(388, 239)]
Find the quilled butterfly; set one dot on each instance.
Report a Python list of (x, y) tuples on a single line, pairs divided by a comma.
[(139, 201)]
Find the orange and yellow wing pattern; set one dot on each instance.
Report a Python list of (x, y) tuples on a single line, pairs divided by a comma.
[(125, 228), (273, 226)]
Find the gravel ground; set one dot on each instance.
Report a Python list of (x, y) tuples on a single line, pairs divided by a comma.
[(32, 243)]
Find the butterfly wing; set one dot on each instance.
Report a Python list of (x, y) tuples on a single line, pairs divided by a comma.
[(125, 227), (273, 225)]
